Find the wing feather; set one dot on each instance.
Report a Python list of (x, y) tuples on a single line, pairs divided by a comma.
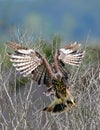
[(28, 61), (16, 46), (24, 60), (71, 55)]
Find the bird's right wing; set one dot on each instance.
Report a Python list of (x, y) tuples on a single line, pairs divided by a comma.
[(28, 61)]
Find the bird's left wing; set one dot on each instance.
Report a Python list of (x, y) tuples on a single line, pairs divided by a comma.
[(70, 54)]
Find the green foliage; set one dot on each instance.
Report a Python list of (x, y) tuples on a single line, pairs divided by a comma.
[(93, 53)]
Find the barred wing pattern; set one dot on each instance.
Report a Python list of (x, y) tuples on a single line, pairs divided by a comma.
[(24, 60), (71, 55), (28, 61)]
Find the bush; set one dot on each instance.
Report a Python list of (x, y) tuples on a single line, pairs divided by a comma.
[(22, 100)]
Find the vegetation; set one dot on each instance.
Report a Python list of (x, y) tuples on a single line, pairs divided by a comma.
[(22, 100)]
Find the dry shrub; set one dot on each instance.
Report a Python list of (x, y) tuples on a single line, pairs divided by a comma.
[(22, 100)]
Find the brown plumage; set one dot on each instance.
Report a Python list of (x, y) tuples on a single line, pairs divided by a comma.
[(54, 76)]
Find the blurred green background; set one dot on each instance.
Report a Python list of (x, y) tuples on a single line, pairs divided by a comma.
[(77, 20)]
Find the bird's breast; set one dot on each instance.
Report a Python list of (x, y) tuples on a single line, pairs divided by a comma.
[(59, 86)]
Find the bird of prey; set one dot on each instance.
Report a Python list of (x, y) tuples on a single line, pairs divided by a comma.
[(53, 75)]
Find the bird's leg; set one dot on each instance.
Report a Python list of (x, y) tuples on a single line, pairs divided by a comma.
[(74, 104), (67, 107)]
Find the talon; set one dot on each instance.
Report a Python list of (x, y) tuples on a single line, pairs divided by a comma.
[(74, 105)]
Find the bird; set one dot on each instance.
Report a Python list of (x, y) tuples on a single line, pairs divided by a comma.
[(54, 75)]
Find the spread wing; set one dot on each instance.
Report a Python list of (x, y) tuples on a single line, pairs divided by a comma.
[(71, 54), (28, 61)]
